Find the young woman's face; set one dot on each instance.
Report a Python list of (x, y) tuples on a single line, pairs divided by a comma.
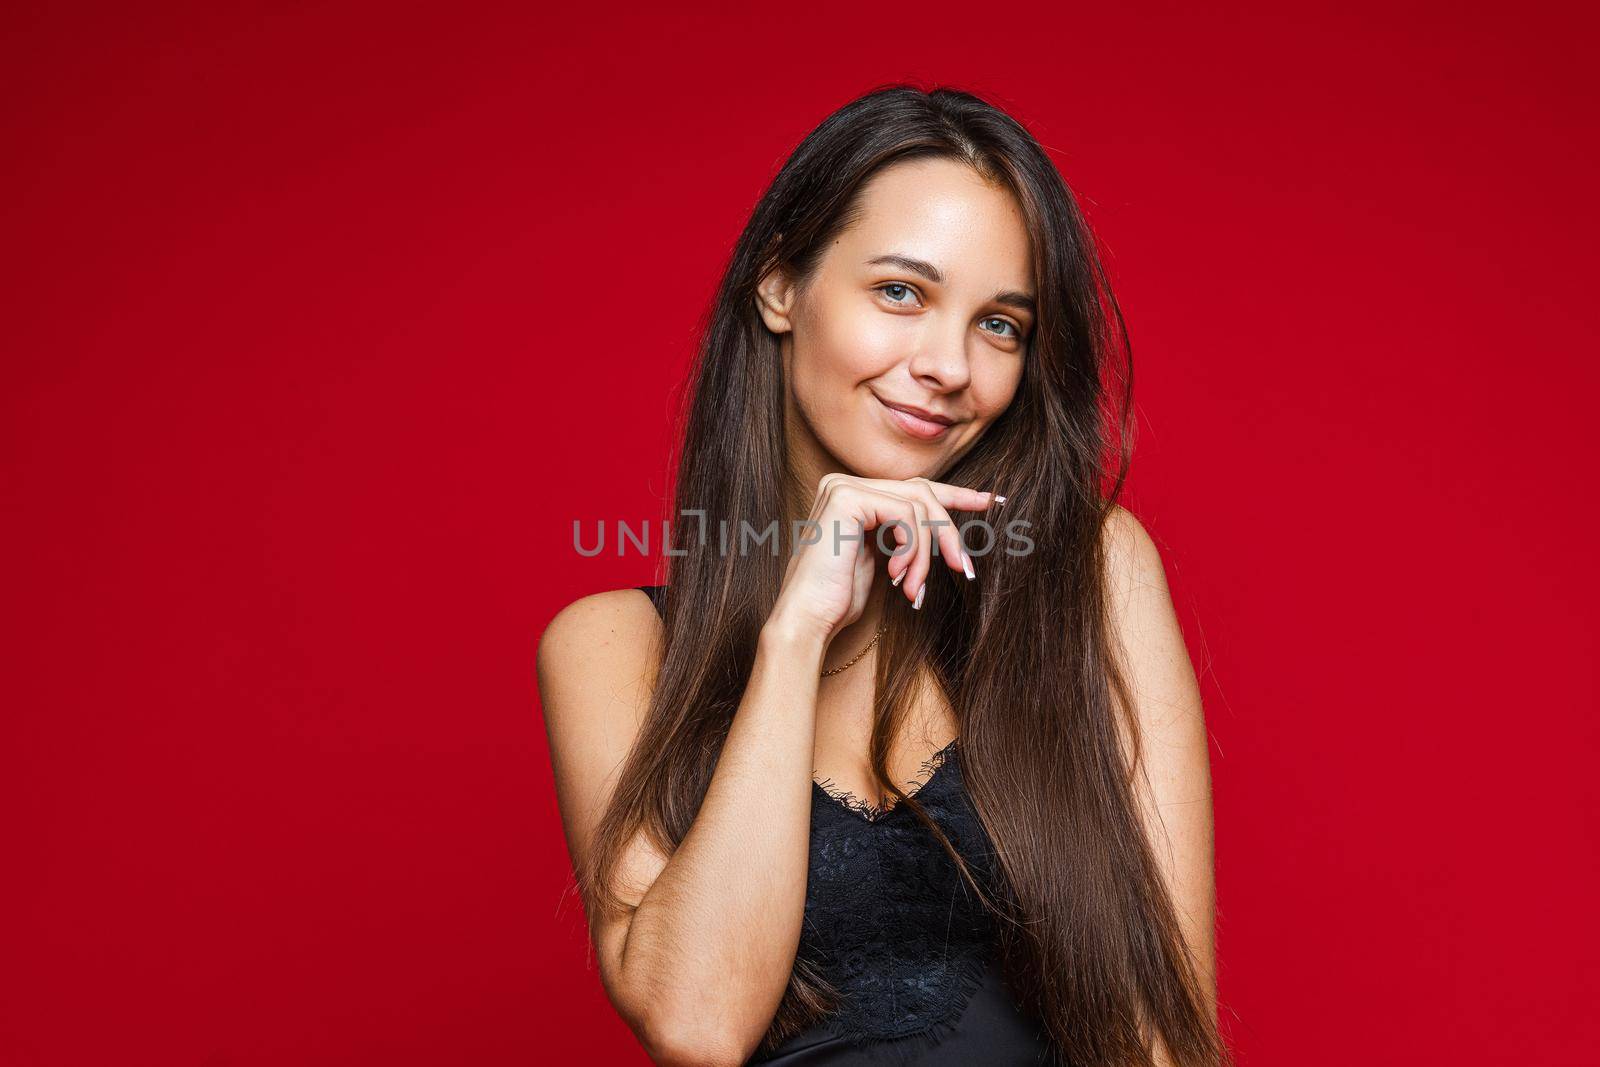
[(909, 341)]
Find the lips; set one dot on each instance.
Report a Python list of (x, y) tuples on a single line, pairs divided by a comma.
[(918, 422)]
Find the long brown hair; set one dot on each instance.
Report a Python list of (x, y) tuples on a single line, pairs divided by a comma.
[(1025, 658)]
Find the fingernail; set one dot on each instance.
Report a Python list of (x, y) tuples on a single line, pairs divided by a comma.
[(917, 603), (966, 565), (998, 499), (898, 580)]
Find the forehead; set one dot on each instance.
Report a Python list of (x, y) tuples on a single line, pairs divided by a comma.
[(944, 212)]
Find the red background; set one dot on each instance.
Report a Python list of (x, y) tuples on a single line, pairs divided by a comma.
[(323, 324)]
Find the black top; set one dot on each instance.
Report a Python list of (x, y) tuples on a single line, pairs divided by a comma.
[(892, 925)]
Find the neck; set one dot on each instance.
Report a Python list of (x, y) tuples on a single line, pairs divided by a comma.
[(848, 642)]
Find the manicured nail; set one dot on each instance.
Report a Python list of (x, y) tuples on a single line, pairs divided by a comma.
[(966, 565), (998, 499), (917, 603), (898, 580)]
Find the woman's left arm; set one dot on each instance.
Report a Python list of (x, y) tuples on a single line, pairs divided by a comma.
[(1173, 779)]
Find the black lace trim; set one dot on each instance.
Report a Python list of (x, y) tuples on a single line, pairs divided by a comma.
[(872, 812)]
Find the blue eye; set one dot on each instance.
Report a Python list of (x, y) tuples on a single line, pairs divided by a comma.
[(896, 291), (1008, 324)]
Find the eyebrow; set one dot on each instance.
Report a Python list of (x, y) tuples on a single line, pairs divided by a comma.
[(1008, 297)]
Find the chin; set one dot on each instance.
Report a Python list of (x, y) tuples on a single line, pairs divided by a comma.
[(872, 453), (880, 463)]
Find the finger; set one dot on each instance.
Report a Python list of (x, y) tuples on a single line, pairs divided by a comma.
[(941, 527), (919, 563), (957, 497), (904, 553), (951, 551), (908, 513), (876, 507), (912, 574)]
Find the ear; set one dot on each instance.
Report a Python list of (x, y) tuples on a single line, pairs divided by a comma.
[(775, 300)]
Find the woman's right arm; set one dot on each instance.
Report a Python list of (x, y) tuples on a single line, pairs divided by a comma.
[(698, 967)]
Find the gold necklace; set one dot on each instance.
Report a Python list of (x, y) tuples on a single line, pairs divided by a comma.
[(857, 657)]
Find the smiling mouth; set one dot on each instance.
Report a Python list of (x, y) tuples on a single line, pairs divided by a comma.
[(924, 429)]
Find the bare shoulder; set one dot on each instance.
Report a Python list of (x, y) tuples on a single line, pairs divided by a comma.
[(1150, 638), (610, 628), (1132, 558), (597, 652), (596, 668)]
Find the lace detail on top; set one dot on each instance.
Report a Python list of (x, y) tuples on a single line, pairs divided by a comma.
[(872, 812), (889, 921)]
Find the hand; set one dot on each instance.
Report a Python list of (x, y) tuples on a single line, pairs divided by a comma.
[(825, 590)]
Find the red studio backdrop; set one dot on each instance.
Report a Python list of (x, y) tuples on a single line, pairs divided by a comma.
[(323, 323)]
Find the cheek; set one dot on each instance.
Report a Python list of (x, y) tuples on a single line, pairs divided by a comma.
[(853, 340), (995, 385)]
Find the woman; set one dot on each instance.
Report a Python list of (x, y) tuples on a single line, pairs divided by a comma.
[(908, 797)]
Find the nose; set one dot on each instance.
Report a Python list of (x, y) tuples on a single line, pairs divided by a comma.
[(941, 362)]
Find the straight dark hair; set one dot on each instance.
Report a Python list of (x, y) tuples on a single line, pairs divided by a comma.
[(1026, 659)]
